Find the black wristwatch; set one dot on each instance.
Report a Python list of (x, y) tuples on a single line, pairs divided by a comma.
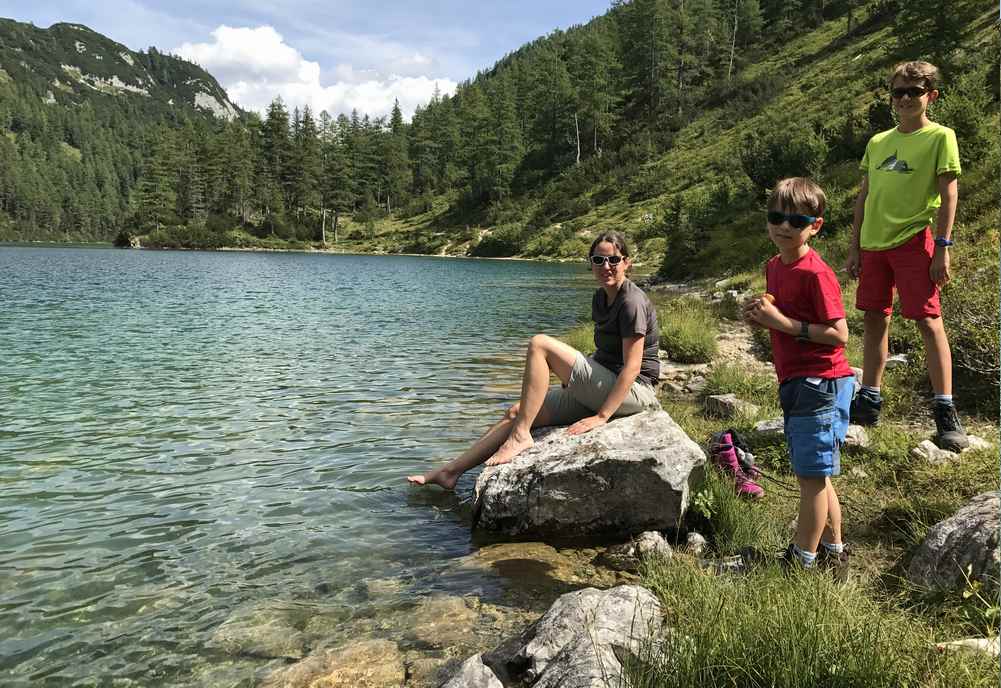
[(804, 331)]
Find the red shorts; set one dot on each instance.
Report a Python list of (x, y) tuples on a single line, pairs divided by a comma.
[(906, 268)]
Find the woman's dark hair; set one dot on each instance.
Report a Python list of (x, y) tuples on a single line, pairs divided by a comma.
[(615, 239)]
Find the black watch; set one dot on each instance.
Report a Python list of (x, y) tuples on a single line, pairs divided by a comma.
[(804, 331)]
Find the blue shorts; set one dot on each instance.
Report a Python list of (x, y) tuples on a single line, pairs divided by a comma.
[(816, 422)]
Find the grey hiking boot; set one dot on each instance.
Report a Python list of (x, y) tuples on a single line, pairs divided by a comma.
[(835, 562), (949, 433), (865, 410)]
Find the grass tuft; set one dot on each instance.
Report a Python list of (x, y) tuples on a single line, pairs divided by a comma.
[(688, 329), (799, 630)]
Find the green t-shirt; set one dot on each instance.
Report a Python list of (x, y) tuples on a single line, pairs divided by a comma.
[(903, 172)]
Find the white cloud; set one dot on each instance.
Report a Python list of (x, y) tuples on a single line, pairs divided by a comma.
[(255, 64)]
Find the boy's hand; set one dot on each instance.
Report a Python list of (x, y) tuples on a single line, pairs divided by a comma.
[(764, 313), (853, 263), (749, 306), (939, 270)]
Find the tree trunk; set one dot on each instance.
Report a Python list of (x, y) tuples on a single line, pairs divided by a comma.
[(733, 43), (576, 126), (337, 215), (323, 226)]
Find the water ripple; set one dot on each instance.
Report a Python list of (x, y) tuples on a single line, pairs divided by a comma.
[(183, 433)]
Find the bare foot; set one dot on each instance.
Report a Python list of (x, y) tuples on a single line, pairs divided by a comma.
[(439, 476), (511, 448)]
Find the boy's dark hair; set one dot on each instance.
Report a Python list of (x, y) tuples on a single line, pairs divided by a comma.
[(916, 70), (798, 194), (615, 239)]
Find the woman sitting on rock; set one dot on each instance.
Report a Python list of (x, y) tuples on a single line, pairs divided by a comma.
[(616, 380)]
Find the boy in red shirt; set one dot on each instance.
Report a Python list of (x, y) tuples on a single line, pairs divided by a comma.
[(804, 312)]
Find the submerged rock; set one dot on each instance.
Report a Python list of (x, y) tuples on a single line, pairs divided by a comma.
[(267, 629), (443, 621), (630, 475), (363, 664), (965, 544)]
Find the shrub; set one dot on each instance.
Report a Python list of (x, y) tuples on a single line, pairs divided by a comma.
[(780, 149), (504, 240), (688, 329)]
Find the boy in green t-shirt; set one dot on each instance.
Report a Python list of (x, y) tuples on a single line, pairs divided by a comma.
[(909, 182)]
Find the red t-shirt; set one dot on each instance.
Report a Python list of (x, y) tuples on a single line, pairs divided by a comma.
[(806, 290)]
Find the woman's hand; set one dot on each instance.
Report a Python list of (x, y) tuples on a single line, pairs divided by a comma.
[(586, 425)]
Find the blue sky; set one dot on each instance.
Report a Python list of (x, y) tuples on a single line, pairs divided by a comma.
[(330, 54)]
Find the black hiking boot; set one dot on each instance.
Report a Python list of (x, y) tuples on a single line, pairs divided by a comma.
[(949, 433), (865, 409)]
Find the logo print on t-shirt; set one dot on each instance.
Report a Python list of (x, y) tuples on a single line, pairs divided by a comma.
[(892, 164)]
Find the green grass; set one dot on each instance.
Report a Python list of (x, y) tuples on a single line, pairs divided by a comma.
[(799, 630), (688, 329)]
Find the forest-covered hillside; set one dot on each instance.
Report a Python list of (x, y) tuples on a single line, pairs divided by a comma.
[(78, 112), (664, 118)]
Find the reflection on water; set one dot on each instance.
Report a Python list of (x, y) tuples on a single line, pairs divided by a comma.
[(184, 434)]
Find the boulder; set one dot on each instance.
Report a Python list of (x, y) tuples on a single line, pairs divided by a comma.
[(930, 452), (771, 429), (628, 555), (728, 406), (582, 640), (965, 544), (474, 674), (630, 475)]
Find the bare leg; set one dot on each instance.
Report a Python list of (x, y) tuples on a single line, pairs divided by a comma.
[(812, 512), (558, 358), (832, 531), (937, 354), (545, 356), (875, 347)]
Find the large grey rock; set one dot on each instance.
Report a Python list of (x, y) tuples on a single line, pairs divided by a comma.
[(630, 475), (729, 406), (474, 674), (582, 640), (966, 541)]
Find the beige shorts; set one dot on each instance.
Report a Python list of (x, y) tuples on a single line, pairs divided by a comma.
[(589, 385)]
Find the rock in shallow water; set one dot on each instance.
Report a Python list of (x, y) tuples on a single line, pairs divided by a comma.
[(364, 664), (630, 475), (267, 629)]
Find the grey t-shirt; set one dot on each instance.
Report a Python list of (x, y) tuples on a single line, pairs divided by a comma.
[(630, 314)]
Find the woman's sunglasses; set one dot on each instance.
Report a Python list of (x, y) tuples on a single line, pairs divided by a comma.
[(600, 260), (911, 91), (795, 221)]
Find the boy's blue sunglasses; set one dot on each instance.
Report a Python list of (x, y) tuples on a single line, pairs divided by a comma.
[(795, 221)]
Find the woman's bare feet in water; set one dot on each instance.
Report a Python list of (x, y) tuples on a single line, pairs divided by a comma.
[(511, 448), (439, 476)]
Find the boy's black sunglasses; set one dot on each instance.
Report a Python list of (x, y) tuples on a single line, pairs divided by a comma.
[(912, 91), (600, 260), (795, 221)]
